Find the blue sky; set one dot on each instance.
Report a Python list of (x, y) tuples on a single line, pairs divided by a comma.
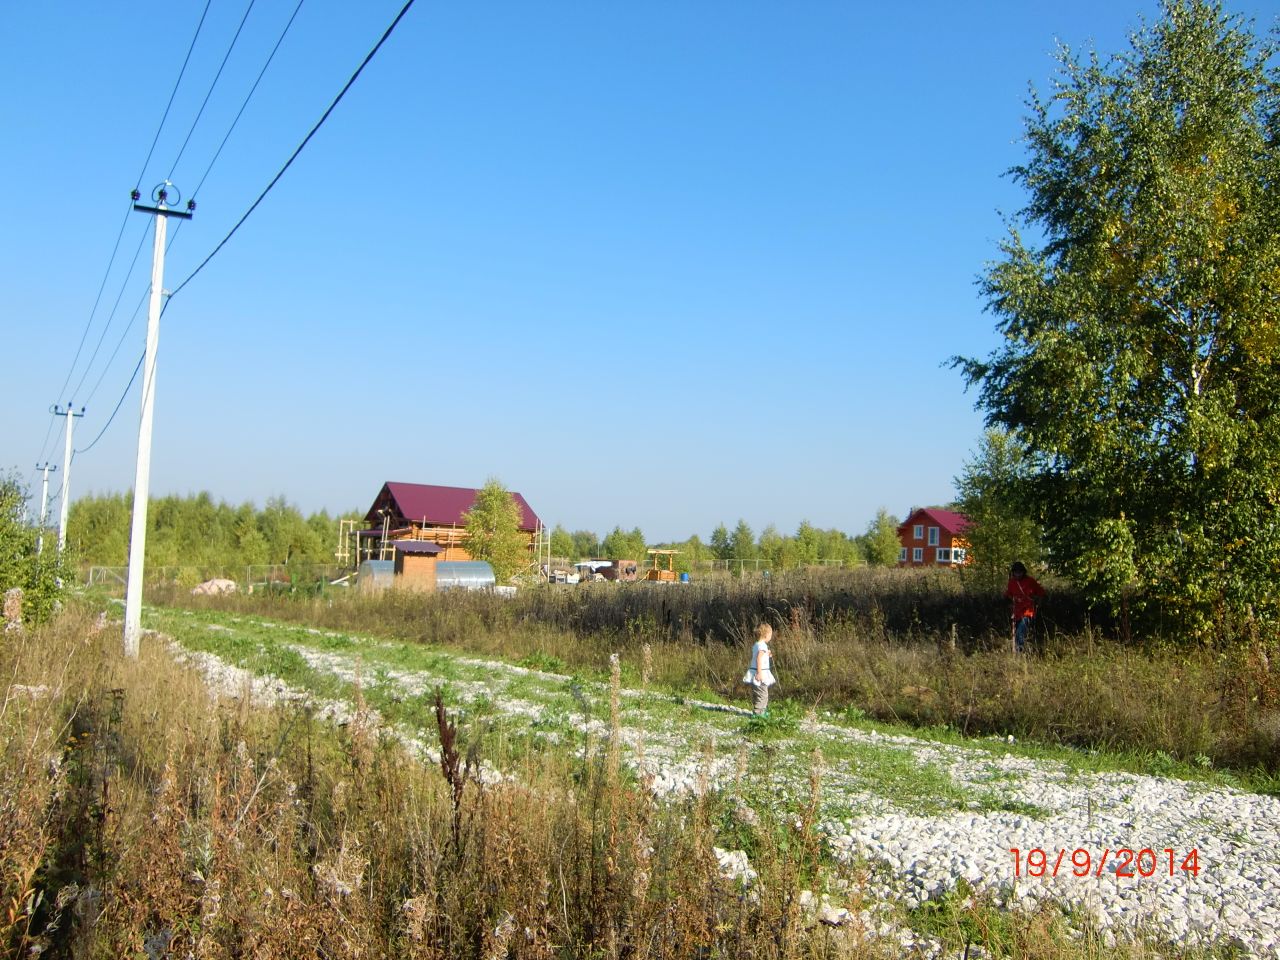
[(657, 265)]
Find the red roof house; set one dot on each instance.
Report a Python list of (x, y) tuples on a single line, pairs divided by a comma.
[(421, 511), (933, 537)]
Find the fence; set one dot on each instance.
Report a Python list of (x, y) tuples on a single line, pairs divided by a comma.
[(743, 565), (257, 573)]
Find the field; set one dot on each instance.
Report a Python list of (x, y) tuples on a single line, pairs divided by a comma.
[(465, 776)]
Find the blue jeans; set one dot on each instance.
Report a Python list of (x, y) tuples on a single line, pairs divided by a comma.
[(1020, 630)]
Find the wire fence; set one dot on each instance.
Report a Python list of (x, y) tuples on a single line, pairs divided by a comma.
[(256, 574)]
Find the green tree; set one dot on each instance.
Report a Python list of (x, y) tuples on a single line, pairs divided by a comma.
[(880, 544), (806, 544), (742, 542), (493, 531), (720, 544), (1141, 329), (585, 544), (41, 576), (562, 544), (1001, 529), (770, 546)]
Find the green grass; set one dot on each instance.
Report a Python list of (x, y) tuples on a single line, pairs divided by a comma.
[(265, 648)]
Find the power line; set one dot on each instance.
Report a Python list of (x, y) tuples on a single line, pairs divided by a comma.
[(128, 386), (120, 234), (248, 97), (132, 320), (44, 447), (199, 113), (119, 402), (110, 317), (98, 299), (307, 139), (177, 83), (119, 343)]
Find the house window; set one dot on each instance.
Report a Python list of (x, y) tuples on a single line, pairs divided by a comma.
[(917, 532), (902, 555), (957, 554), (944, 554), (933, 536), (917, 554)]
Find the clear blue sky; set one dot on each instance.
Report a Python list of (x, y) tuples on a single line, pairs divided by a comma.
[(659, 265)]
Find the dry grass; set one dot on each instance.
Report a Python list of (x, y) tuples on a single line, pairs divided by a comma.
[(142, 819), (892, 644)]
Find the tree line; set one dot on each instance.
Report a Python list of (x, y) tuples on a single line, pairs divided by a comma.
[(197, 531), (194, 531), (877, 545)]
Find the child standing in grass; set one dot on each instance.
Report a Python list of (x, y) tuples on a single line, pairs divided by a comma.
[(1025, 594), (760, 670)]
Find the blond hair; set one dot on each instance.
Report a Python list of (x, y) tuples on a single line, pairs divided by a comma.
[(764, 632)]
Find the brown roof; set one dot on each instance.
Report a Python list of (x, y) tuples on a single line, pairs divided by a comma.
[(437, 506)]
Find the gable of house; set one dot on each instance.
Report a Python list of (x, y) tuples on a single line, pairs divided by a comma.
[(429, 505), (932, 536)]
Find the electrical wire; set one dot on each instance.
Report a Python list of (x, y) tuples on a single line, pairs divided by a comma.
[(319, 123), (133, 265), (119, 343), (261, 73), (98, 299), (199, 113), (307, 139), (177, 83), (120, 234), (119, 402), (132, 320)]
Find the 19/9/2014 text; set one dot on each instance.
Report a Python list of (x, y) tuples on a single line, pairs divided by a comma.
[(1124, 862)]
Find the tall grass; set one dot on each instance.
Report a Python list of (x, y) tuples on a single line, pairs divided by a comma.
[(143, 819), (894, 645)]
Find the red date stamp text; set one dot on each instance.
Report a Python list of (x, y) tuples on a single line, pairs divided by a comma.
[(1123, 862)]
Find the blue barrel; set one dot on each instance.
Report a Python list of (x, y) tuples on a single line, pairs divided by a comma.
[(684, 578)]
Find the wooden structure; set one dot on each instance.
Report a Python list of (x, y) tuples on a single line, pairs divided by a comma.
[(424, 512), (623, 571), (415, 564), (933, 537), (662, 567)]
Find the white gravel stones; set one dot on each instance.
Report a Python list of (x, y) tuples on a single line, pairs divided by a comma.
[(1234, 896)]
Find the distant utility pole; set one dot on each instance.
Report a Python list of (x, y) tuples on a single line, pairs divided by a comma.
[(66, 473), (142, 475), (44, 503)]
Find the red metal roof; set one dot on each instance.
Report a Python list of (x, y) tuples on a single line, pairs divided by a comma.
[(949, 520), (419, 502)]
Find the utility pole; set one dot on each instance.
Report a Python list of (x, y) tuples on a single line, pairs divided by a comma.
[(44, 502), (142, 474), (66, 473)]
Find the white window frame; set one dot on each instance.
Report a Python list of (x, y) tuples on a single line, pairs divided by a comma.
[(917, 532), (902, 554), (917, 554), (943, 554), (933, 537), (958, 554)]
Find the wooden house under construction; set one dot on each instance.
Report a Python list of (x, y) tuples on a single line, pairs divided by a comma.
[(405, 513)]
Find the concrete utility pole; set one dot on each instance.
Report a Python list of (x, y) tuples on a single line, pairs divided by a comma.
[(66, 473), (142, 474), (44, 503)]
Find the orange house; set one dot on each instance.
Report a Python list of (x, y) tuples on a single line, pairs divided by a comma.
[(933, 537), (424, 512)]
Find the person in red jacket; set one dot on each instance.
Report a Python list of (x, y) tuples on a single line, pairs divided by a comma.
[(1025, 594)]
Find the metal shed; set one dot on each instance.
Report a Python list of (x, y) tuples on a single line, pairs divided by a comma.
[(376, 573), (464, 575)]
